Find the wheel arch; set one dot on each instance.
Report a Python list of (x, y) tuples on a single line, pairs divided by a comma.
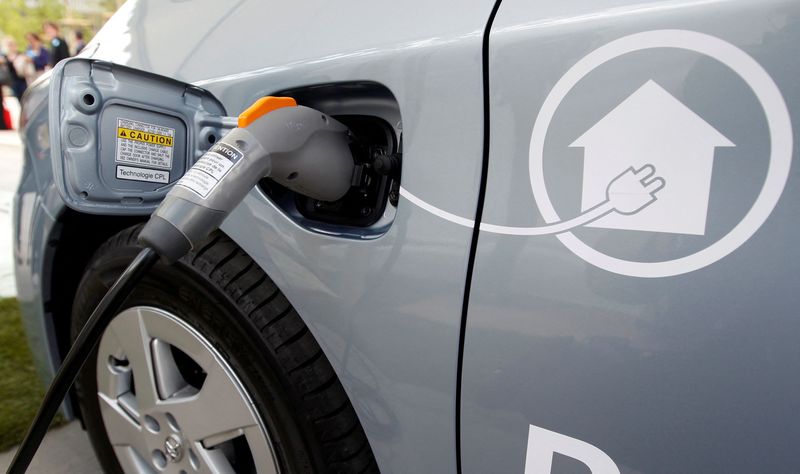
[(70, 246)]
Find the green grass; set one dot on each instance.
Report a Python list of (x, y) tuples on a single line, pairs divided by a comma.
[(20, 387)]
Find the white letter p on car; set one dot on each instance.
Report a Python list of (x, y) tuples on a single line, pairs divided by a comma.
[(543, 443)]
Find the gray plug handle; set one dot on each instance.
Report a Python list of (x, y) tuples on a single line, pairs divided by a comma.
[(299, 147)]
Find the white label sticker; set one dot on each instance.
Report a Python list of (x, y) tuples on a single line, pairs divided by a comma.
[(142, 174), (209, 170), (144, 144)]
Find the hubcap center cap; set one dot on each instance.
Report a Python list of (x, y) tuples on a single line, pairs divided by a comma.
[(173, 448)]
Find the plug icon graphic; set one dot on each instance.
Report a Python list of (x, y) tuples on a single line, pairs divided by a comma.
[(633, 190), (628, 193)]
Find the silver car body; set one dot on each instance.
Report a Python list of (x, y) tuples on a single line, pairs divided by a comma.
[(620, 343)]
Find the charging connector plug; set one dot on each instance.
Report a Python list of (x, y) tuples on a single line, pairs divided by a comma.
[(301, 148)]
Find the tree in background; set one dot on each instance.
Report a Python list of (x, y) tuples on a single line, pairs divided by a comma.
[(18, 17)]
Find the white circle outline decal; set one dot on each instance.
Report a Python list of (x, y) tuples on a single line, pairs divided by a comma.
[(780, 134)]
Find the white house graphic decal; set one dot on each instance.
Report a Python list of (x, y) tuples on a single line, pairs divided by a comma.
[(648, 163), (651, 127)]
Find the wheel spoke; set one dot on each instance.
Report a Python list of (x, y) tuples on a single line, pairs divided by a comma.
[(116, 380), (135, 342), (213, 461), (122, 429), (131, 460), (168, 378), (217, 413)]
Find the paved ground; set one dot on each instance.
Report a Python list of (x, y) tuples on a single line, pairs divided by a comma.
[(65, 449)]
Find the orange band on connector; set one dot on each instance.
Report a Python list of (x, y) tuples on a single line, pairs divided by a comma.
[(264, 106)]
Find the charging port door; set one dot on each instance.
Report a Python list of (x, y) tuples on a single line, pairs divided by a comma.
[(120, 138)]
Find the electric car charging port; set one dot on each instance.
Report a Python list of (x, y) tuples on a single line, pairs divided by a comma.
[(371, 113)]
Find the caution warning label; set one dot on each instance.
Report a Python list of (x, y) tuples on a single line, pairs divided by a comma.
[(142, 143), (146, 137)]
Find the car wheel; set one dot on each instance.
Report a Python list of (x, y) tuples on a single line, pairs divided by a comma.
[(208, 368)]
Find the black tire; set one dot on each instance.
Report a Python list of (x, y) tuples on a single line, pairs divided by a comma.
[(225, 296)]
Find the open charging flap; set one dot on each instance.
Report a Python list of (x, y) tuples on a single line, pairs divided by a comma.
[(120, 138)]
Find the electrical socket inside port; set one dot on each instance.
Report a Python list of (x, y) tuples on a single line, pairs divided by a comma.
[(372, 191), (372, 115)]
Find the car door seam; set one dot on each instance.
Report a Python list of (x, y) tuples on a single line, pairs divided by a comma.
[(476, 229)]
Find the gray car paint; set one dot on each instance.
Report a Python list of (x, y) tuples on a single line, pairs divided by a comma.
[(33, 225), (387, 310), (690, 373)]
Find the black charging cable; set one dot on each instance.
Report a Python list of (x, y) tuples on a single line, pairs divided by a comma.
[(78, 355)]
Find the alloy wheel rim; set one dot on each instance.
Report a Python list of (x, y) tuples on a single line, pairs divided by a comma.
[(171, 403)]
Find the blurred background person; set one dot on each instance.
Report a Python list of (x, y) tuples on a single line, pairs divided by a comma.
[(58, 46), (39, 56), (79, 43), (5, 80), (20, 66)]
